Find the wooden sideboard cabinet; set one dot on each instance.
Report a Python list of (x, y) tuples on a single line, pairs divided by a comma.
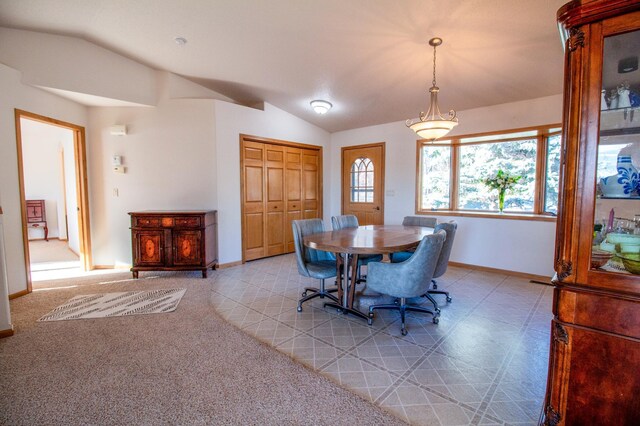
[(174, 241)]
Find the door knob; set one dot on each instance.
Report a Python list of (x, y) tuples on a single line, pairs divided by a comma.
[(376, 208)]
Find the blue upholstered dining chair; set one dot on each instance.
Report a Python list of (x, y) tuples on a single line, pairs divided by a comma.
[(311, 262), (350, 221), (429, 222), (408, 279), (443, 261)]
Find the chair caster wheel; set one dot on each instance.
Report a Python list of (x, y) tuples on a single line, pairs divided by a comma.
[(449, 299), (437, 310), (403, 331), (299, 309), (370, 321), (304, 294), (436, 320)]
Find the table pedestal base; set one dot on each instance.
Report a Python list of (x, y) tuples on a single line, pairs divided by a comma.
[(345, 310)]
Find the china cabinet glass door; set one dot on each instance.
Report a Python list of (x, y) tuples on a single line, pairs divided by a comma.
[(616, 221)]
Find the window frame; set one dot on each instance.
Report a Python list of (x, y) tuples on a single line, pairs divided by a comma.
[(542, 134)]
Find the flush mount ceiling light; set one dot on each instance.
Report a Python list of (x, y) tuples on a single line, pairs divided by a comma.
[(432, 125), (180, 41), (321, 107)]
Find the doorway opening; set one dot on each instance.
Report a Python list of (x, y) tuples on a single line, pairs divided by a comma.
[(53, 195)]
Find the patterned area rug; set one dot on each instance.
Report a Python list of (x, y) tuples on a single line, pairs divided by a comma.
[(117, 304)]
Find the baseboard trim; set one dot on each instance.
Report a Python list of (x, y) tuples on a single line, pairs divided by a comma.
[(6, 333), (229, 265), (19, 294), (533, 277), (123, 267)]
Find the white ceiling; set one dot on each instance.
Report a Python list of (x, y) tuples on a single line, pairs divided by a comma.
[(370, 58)]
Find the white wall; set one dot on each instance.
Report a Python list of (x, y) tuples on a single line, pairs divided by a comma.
[(516, 245), (233, 120), (71, 190), (17, 95), (170, 164)]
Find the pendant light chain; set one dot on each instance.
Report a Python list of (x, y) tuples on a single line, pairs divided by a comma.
[(434, 66)]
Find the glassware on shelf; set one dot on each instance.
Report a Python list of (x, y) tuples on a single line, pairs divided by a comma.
[(623, 226)]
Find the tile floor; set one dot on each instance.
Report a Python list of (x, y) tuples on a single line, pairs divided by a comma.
[(485, 363)]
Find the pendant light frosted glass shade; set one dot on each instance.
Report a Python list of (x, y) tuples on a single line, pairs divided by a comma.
[(432, 125)]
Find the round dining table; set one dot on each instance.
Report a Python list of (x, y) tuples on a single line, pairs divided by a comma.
[(349, 243)]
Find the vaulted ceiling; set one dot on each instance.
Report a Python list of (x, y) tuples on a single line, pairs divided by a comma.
[(370, 58)]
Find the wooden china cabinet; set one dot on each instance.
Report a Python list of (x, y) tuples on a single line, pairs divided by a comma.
[(594, 363)]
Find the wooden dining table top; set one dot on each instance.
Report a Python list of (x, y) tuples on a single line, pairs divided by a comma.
[(369, 239)]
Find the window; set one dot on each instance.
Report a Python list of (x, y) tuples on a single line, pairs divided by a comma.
[(451, 173), (436, 167), (552, 174), (362, 181)]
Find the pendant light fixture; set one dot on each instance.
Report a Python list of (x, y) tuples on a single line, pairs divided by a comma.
[(432, 125)]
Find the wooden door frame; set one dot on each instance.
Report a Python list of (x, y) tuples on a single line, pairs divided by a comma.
[(259, 139), (369, 145), (82, 190)]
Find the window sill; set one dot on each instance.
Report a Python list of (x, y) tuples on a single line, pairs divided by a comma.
[(490, 215)]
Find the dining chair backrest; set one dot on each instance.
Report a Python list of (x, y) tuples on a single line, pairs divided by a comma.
[(450, 229), (429, 222), (344, 221), (412, 277), (306, 255)]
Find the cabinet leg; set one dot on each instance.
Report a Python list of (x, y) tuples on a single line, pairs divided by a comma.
[(135, 274), (204, 273)]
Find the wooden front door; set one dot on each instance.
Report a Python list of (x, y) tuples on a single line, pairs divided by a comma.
[(281, 182), (363, 183)]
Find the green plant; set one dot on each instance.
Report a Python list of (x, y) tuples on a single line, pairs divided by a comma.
[(501, 181)]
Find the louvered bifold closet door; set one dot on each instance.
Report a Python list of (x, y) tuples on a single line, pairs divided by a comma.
[(280, 183)]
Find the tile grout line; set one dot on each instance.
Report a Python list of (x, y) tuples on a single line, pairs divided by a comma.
[(433, 349), (501, 371)]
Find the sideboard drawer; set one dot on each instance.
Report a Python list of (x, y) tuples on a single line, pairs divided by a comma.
[(147, 222), (192, 222)]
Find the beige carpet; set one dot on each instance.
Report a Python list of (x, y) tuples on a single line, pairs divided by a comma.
[(190, 367)]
